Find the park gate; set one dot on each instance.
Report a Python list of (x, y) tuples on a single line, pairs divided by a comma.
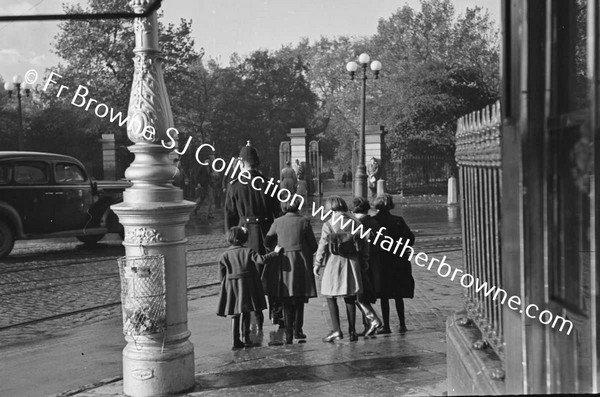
[(478, 158)]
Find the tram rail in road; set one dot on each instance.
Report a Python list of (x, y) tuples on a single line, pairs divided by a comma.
[(86, 310), (36, 276)]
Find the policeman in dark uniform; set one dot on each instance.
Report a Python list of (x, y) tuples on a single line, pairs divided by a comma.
[(252, 208)]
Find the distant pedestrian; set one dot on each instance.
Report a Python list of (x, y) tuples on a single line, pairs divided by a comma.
[(349, 175), (288, 178), (302, 186), (180, 178), (341, 254), (241, 289), (247, 206), (395, 279), (290, 279), (216, 185), (214, 188), (344, 178), (203, 191)]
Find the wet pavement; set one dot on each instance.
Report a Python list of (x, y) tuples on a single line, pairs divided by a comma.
[(46, 277), (407, 364), (397, 364)]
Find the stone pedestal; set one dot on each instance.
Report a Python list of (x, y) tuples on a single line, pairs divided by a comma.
[(374, 143), (298, 145), (109, 156), (380, 187), (452, 191)]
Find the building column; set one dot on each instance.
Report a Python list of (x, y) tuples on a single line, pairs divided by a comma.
[(154, 215)]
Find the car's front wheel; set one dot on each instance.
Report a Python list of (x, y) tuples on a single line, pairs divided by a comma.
[(7, 239), (90, 239)]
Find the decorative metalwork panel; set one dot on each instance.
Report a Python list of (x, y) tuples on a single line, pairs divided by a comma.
[(143, 294), (419, 174), (143, 236), (478, 138)]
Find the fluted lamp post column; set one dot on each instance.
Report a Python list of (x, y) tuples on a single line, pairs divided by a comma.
[(17, 85), (154, 215), (360, 176)]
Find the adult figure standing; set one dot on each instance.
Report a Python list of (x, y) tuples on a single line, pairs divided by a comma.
[(290, 280), (216, 186), (288, 178), (202, 187), (396, 280), (249, 207), (373, 174), (344, 178), (342, 272), (302, 187), (180, 177)]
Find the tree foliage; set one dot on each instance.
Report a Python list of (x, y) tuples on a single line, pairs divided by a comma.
[(259, 98), (98, 54), (437, 66)]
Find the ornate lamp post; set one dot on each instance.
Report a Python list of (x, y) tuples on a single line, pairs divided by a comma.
[(158, 358), (17, 85), (360, 177)]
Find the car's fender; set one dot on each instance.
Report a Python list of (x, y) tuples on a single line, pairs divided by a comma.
[(102, 214), (8, 213)]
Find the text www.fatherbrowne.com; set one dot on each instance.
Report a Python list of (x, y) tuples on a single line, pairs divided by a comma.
[(385, 242), (467, 280)]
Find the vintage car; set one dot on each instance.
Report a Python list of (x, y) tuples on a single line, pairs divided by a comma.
[(44, 195)]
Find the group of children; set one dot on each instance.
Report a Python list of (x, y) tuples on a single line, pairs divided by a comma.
[(360, 276), (284, 274)]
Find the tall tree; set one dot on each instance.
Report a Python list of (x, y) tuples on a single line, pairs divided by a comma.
[(260, 98), (437, 68)]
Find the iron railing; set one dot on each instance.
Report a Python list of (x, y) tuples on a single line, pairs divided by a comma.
[(419, 174), (478, 158)]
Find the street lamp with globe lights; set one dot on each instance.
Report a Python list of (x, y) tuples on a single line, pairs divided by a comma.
[(360, 178), (17, 85)]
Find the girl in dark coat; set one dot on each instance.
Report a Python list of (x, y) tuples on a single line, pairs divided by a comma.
[(368, 296), (290, 279), (396, 280), (241, 288)]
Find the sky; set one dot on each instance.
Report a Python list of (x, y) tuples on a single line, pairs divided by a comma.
[(221, 27)]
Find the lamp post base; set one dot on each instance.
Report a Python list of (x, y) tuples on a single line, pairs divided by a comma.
[(162, 363), (152, 369), (360, 181)]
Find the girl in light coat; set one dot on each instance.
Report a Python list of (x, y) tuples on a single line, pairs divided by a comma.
[(341, 274)]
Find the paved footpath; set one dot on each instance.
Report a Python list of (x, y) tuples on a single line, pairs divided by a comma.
[(409, 364), (385, 365)]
